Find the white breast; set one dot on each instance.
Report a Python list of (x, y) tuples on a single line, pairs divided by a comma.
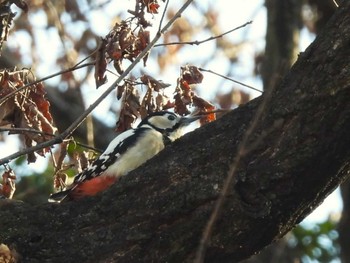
[(147, 147)]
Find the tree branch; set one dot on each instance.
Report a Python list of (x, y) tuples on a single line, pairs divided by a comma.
[(230, 79), (157, 213), (198, 42)]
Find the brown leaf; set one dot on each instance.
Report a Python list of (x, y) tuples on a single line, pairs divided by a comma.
[(152, 6), (26, 109), (180, 106), (153, 84), (81, 160), (142, 42), (130, 108), (146, 104), (203, 107), (162, 101), (191, 75), (63, 153), (120, 91), (101, 65), (8, 255), (6, 17), (8, 186), (60, 180)]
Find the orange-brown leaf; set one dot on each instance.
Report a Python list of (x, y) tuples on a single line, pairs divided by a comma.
[(101, 65), (28, 109), (153, 84), (191, 75), (204, 107), (8, 186)]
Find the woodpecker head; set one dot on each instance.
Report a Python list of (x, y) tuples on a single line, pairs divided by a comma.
[(168, 123)]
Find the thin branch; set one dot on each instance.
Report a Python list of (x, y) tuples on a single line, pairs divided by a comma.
[(241, 152), (2, 100), (68, 132), (198, 42), (230, 79), (29, 130), (163, 15), (25, 130)]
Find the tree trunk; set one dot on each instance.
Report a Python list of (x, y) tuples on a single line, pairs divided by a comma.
[(297, 154), (344, 223), (282, 38)]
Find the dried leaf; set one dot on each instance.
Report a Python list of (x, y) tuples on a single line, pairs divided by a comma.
[(152, 7), (122, 43), (146, 104), (101, 65), (63, 153), (130, 108), (142, 42), (8, 255), (191, 75), (60, 180), (153, 84), (81, 160), (27, 109), (6, 17), (203, 107), (162, 101), (8, 186), (180, 106), (120, 90)]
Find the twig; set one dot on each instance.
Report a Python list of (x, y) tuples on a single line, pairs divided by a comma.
[(163, 15), (230, 79), (241, 152), (24, 130), (2, 100), (335, 2), (198, 42), (68, 132)]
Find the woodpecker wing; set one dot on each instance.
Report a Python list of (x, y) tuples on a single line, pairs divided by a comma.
[(115, 149)]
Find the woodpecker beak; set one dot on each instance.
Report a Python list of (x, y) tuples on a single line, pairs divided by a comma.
[(187, 120)]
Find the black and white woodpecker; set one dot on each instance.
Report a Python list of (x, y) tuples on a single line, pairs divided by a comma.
[(125, 153)]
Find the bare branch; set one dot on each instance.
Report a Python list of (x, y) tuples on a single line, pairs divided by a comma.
[(198, 42), (230, 79), (24, 130), (2, 100), (163, 15)]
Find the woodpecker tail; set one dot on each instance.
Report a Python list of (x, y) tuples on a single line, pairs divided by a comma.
[(60, 196), (85, 188)]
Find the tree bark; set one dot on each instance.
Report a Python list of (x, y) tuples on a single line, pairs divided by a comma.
[(297, 155)]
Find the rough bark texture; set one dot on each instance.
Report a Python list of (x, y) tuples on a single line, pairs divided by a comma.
[(297, 155)]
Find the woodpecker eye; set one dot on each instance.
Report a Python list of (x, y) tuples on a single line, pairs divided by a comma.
[(171, 117)]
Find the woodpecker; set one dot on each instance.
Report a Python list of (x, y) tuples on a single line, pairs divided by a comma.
[(125, 153)]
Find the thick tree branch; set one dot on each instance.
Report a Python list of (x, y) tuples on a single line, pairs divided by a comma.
[(158, 212)]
